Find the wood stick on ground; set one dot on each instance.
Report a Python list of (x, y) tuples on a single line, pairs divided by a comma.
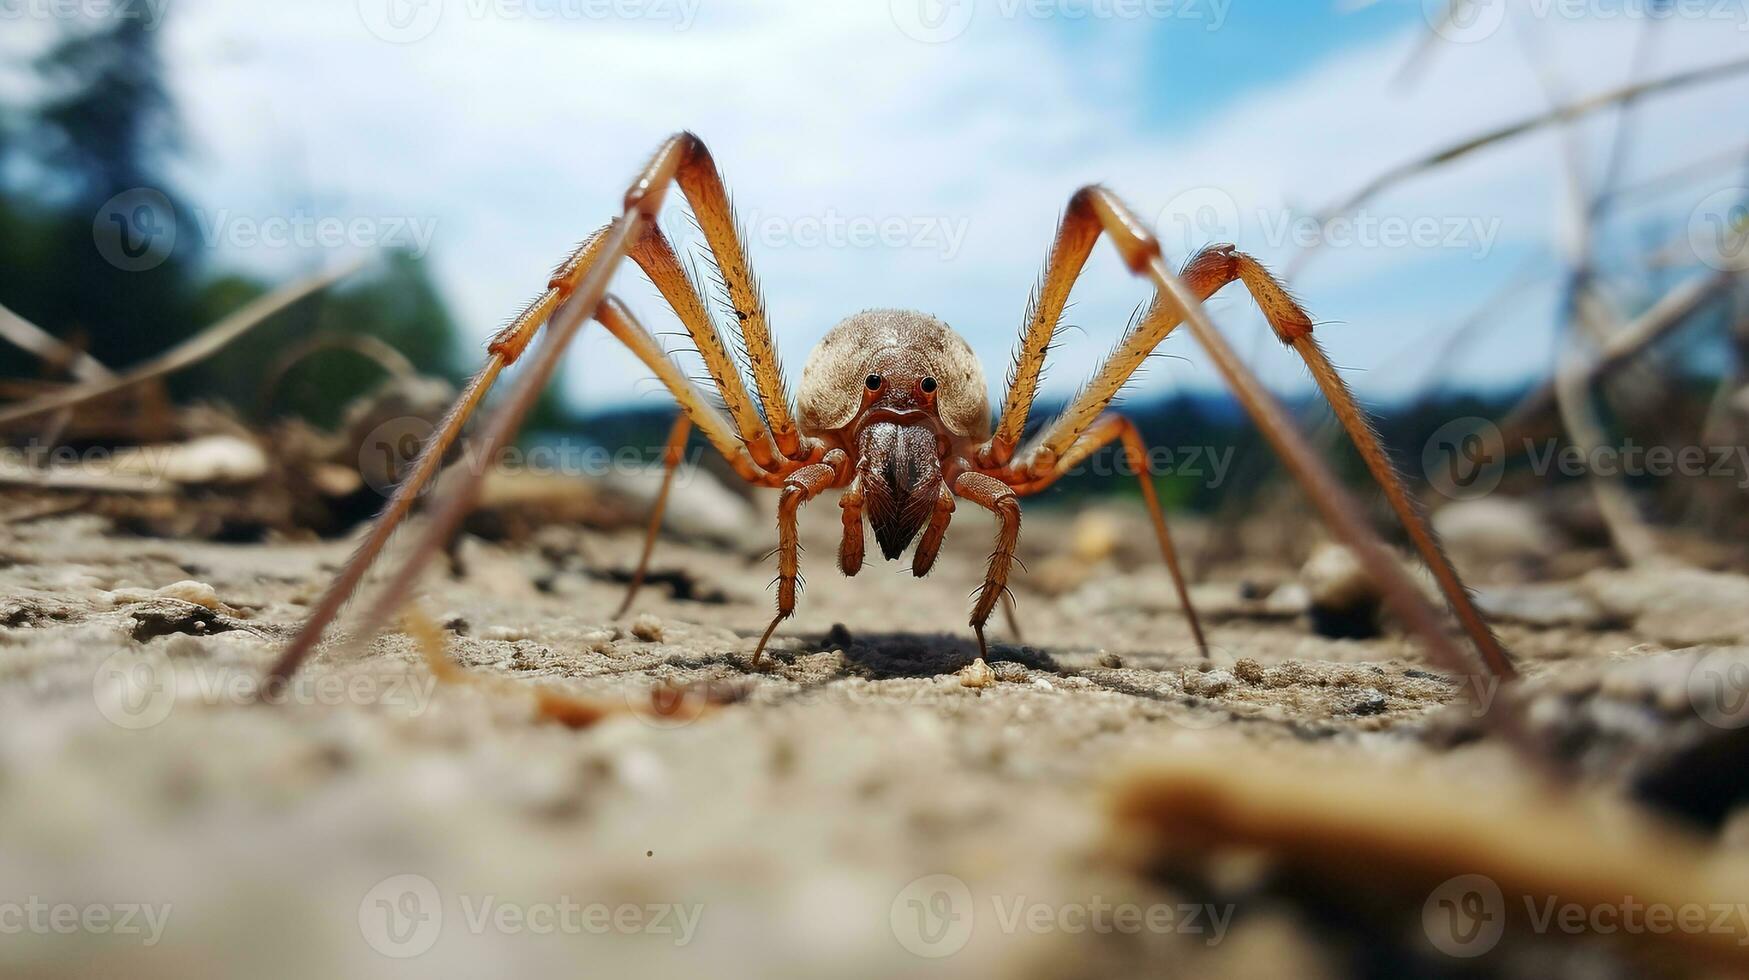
[(30, 337), (1390, 828), (197, 348)]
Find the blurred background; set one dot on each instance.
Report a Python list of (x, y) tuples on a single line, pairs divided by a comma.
[(164, 161)]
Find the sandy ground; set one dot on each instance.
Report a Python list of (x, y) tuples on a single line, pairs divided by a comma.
[(854, 808)]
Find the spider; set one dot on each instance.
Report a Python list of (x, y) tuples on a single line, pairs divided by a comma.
[(892, 409)]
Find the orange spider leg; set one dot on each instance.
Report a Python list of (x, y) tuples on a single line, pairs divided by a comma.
[(1094, 210), (573, 296), (799, 487), (1107, 429), (999, 499), (671, 457)]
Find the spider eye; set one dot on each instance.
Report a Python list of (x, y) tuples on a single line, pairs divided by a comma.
[(928, 386), (874, 382)]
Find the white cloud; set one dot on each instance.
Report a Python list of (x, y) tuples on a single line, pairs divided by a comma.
[(517, 136)]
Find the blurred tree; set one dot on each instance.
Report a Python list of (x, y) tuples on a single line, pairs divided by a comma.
[(86, 164), (90, 250)]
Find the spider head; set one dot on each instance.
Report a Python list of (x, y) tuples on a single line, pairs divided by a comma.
[(901, 480)]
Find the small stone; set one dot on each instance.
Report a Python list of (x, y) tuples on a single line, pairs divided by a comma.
[(597, 641), (977, 675), (199, 593), (1208, 684), (1010, 672), (1248, 670), (1368, 702), (1111, 661), (647, 628), (1344, 600)]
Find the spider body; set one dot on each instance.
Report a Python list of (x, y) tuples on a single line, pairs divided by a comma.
[(903, 396)]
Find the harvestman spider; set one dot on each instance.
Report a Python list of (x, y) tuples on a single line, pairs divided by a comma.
[(893, 408)]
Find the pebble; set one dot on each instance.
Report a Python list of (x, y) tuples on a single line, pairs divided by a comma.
[(648, 628), (1248, 670), (188, 590), (1213, 682), (977, 675)]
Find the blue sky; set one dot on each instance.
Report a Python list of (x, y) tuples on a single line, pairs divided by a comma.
[(882, 161)]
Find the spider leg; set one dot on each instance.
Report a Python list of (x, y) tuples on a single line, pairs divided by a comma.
[(1000, 499), (671, 457), (850, 545), (1108, 429), (573, 296), (655, 255), (930, 544), (703, 186), (799, 487), (1205, 274), (1094, 210), (505, 349)]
